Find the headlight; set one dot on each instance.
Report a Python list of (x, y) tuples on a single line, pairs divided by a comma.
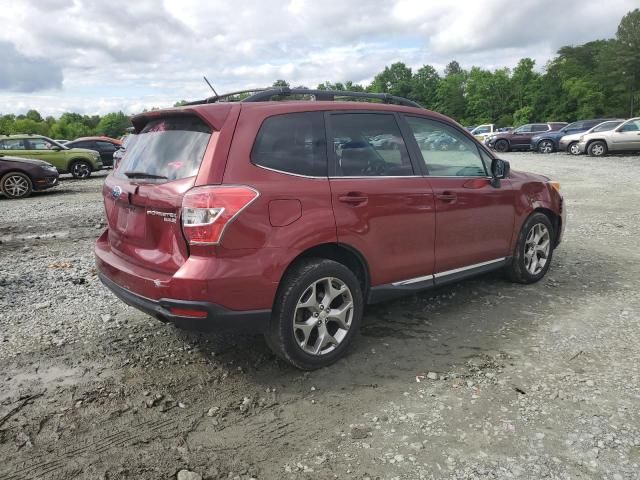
[(50, 168), (555, 185)]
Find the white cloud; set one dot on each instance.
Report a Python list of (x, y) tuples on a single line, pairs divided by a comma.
[(127, 55)]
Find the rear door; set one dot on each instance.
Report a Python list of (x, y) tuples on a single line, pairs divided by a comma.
[(383, 207), (143, 198), (474, 220)]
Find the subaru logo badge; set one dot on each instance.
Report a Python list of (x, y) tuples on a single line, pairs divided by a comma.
[(116, 192)]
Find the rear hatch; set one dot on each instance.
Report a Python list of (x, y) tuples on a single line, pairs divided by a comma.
[(143, 197)]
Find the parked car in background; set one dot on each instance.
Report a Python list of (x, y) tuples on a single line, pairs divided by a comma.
[(259, 215), (548, 142), (19, 177), (77, 161), (61, 142), (623, 138), (569, 143), (483, 131), (520, 138), (105, 146), (127, 141)]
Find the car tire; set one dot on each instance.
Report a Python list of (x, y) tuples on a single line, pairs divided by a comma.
[(80, 169), (501, 146), (303, 331), (597, 149), (573, 148), (16, 185), (545, 146), (534, 250)]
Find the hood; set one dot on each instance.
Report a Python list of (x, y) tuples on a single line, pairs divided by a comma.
[(557, 134), (30, 161), (573, 136), (518, 175)]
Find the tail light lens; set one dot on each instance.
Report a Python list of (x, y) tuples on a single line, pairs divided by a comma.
[(208, 210)]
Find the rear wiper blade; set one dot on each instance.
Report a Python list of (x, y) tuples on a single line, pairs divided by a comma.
[(144, 175)]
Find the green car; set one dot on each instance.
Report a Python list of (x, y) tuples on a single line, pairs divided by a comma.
[(79, 162)]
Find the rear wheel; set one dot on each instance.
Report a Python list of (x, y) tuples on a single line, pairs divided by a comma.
[(16, 185), (316, 315), (597, 149), (545, 146), (80, 169), (501, 146), (532, 256), (573, 148)]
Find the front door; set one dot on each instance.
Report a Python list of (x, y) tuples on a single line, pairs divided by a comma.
[(627, 137), (474, 219), (383, 207)]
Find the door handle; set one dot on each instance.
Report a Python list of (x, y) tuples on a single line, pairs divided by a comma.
[(353, 198), (448, 197)]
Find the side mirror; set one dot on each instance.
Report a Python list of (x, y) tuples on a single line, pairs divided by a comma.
[(499, 169)]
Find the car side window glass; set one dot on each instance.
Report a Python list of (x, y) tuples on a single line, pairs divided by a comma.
[(39, 144), (540, 128), (12, 144), (292, 143), (447, 152), (106, 146), (368, 145), (632, 126), (523, 129)]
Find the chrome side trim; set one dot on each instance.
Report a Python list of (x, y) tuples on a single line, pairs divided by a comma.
[(445, 273), (412, 280), (469, 267)]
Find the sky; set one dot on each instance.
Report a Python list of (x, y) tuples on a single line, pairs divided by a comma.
[(95, 57)]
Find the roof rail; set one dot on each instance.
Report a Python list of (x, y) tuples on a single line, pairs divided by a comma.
[(327, 95), (266, 94)]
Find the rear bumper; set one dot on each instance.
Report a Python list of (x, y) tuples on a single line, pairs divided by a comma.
[(217, 317)]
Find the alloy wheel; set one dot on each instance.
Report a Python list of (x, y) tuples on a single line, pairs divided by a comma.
[(537, 248), (323, 316), (597, 150), (81, 170), (16, 186), (545, 147), (574, 149)]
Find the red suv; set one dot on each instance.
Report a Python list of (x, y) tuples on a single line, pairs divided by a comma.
[(287, 217)]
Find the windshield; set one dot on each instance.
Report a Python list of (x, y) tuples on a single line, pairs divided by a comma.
[(168, 149), (606, 126)]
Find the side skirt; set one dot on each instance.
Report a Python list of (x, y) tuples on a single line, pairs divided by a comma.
[(390, 291)]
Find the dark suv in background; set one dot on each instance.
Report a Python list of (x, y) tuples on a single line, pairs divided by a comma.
[(287, 217), (549, 141), (520, 138)]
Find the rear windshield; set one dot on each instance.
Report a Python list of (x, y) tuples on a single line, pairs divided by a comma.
[(166, 149)]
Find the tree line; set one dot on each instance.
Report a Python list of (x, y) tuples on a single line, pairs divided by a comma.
[(598, 79)]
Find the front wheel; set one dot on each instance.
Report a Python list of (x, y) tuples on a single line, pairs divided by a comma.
[(573, 148), (80, 169), (316, 315), (545, 146), (597, 149), (16, 185), (532, 256), (501, 146)]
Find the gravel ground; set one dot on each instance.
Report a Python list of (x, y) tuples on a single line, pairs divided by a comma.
[(479, 380)]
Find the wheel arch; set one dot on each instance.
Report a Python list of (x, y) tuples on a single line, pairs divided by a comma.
[(79, 159), (556, 221), (589, 142), (342, 253)]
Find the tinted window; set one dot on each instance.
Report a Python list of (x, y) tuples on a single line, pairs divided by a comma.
[(540, 127), (12, 144), (523, 129), (171, 148), (293, 143), (606, 126), (82, 144), (632, 126), (367, 145), (105, 146), (446, 151)]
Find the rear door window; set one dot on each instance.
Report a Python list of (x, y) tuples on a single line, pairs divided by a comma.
[(292, 143), (12, 144), (368, 145), (168, 148)]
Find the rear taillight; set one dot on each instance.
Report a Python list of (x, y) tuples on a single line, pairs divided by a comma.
[(206, 211)]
